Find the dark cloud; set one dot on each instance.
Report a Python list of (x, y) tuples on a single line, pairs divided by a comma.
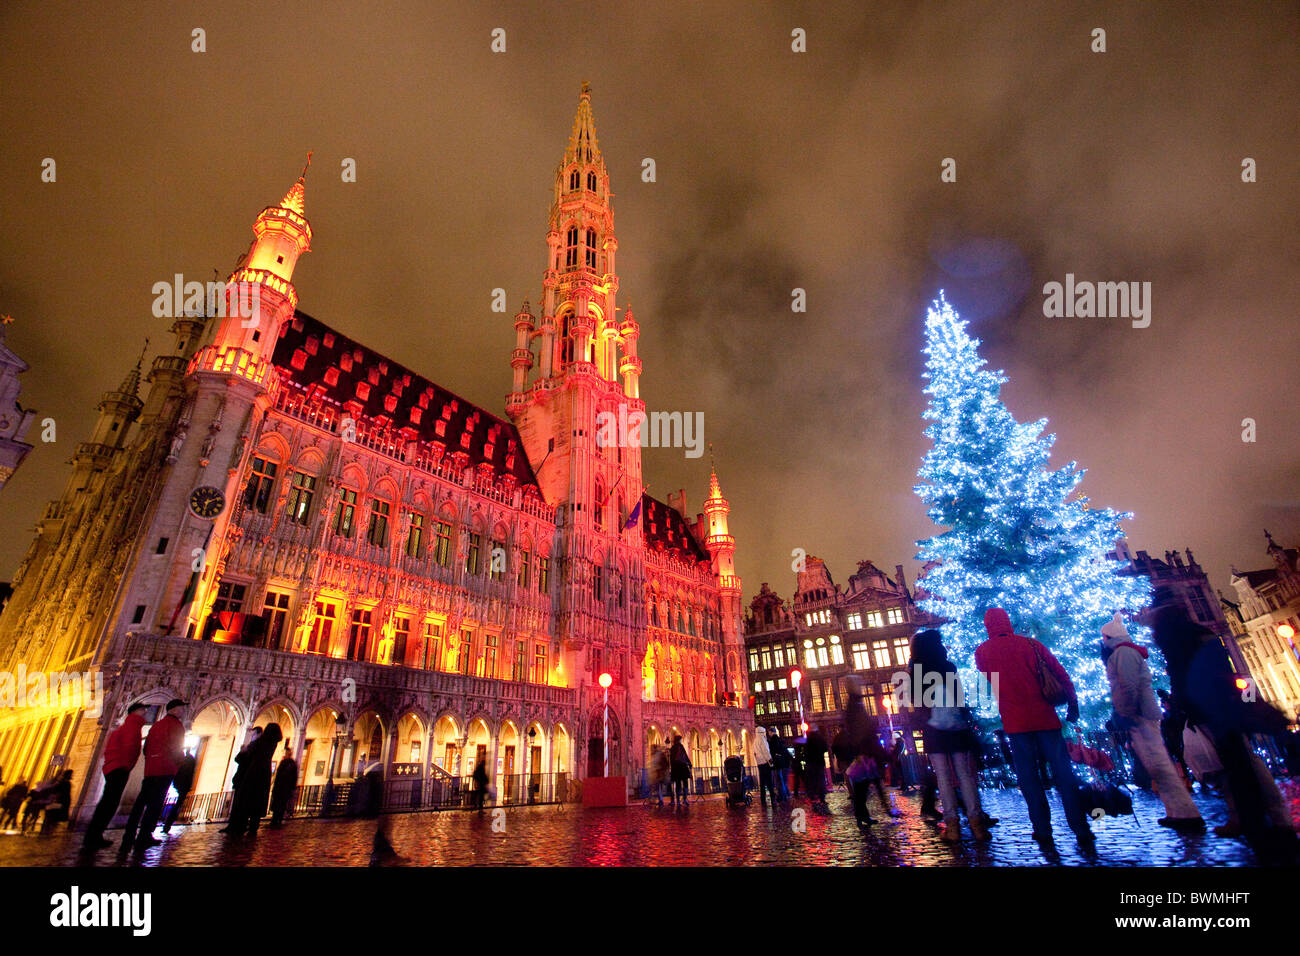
[(774, 171)]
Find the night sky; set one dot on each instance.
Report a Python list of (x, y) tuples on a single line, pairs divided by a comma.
[(775, 170)]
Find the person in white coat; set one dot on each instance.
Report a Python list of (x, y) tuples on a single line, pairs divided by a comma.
[(763, 760), (1137, 711)]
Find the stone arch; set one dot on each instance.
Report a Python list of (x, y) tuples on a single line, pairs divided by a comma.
[(561, 759), (411, 741), (354, 476), (446, 743), (274, 446), (282, 711), (310, 460), (368, 741), (320, 750), (218, 727)]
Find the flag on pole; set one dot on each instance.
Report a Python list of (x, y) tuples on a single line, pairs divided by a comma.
[(634, 517)]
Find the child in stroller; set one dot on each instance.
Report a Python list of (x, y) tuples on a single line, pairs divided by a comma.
[(733, 768)]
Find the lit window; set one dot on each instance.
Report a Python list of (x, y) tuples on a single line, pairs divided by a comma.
[(415, 535), (895, 615), (807, 619), (855, 621), (780, 684), (524, 558), (881, 651), (543, 574), (346, 513), (861, 657), (767, 659), (875, 619), (257, 494), (377, 532), (497, 569), (300, 496), (472, 563), (902, 650), (771, 685), (442, 544), (753, 660)]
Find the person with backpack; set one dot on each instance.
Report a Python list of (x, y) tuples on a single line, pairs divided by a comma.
[(948, 735), (680, 771), (1136, 711), (1031, 684)]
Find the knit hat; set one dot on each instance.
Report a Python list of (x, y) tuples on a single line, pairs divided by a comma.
[(1115, 629)]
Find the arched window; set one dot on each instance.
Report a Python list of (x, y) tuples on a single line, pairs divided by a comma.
[(566, 340), (598, 507), (573, 179), (591, 181), (571, 246), (591, 248)]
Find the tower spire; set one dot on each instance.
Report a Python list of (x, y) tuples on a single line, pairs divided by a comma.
[(295, 199)]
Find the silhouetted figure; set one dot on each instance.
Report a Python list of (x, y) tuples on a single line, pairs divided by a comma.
[(12, 803), (182, 783), (282, 791), (121, 752), (382, 852), (1204, 684), (680, 770), (480, 781), (56, 811), (815, 761), (238, 792), (255, 781)]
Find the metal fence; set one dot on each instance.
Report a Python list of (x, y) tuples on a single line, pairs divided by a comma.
[(357, 797)]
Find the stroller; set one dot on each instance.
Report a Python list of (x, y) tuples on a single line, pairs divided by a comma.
[(733, 768)]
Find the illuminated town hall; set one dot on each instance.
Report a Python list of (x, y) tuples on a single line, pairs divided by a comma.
[(277, 522)]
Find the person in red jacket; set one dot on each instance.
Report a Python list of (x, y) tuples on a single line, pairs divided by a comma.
[(163, 749), (120, 756), (1011, 662)]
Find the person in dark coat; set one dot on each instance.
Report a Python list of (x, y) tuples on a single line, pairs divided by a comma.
[(282, 791), (13, 801), (480, 779), (815, 750), (255, 781), (780, 765), (680, 769), (56, 811), (237, 781), (1204, 684), (183, 783)]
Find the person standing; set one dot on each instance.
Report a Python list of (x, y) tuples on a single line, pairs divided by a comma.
[(1204, 685), (763, 760), (286, 784), (948, 734), (121, 752), (680, 769), (163, 749), (780, 764), (815, 749), (480, 778), (255, 781), (182, 783), (12, 802), (1013, 663), (1136, 711)]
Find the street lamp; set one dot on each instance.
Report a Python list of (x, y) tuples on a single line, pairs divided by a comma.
[(605, 681), (340, 728), (796, 677)]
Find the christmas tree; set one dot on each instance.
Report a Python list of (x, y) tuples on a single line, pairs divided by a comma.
[(1018, 536)]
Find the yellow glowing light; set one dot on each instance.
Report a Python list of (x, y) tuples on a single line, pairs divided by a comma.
[(605, 681), (1285, 631)]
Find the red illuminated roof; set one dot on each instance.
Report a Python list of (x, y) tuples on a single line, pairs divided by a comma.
[(664, 526), (387, 396)]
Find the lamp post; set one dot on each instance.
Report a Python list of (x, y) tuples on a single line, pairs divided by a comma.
[(340, 727), (796, 678), (605, 681), (528, 762)]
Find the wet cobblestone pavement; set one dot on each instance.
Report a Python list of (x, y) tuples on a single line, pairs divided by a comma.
[(707, 833)]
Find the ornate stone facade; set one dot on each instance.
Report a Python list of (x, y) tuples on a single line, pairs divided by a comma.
[(291, 526)]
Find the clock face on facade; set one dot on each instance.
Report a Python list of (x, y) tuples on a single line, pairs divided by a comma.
[(207, 502)]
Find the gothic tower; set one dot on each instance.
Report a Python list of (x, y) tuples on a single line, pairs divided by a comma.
[(722, 549), (572, 420), (229, 384)]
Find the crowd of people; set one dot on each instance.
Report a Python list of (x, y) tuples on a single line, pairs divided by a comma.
[(1201, 729)]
